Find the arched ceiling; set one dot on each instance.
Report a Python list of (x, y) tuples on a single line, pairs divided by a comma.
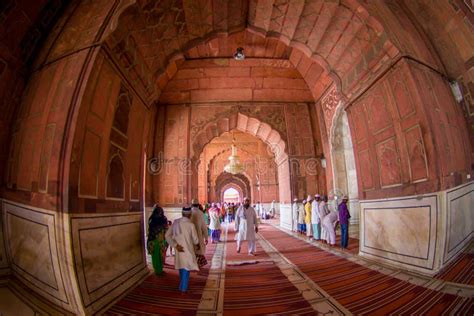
[(339, 35)]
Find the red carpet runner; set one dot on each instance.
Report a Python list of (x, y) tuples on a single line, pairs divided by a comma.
[(259, 288), (460, 270), (361, 290), (159, 295)]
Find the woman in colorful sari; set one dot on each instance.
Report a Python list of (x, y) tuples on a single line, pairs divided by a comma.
[(156, 242)]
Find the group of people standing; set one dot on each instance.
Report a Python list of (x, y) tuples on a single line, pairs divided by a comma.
[(317, 220)]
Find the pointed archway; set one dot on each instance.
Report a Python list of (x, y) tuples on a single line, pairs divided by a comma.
[(343, 162)]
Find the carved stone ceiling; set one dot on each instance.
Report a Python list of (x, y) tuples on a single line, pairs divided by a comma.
[(335, 33)]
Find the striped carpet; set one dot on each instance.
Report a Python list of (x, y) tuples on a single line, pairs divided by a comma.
[(258, 287), (460, 270), (159, 295), (362, 290)]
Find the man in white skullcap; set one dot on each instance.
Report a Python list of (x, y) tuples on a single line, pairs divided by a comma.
[(246, 226), (315, 221), (301, 215), (344, 216), (307, 210), (183, 237)]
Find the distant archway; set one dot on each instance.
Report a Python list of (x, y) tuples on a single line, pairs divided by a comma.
[(231, 195), (239, 182), (253, 126)]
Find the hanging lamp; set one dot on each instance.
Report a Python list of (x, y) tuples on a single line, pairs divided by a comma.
[(234, 166)]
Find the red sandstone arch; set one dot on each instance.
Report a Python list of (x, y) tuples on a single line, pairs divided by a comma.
[(231, 186), (256, 128), (226, 180), (242, 123)]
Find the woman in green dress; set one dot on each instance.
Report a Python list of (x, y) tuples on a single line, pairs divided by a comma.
[(156, 242), (206, 218)]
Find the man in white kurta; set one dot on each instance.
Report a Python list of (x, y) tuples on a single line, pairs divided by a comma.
[(246, 226), (197, 217), (329, 223), (315, 221), (183, 237), (323, 211)]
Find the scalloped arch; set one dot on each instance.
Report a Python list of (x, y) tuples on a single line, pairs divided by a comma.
[(245, 124)]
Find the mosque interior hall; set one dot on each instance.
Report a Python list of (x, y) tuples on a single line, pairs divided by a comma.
[(113, 110)]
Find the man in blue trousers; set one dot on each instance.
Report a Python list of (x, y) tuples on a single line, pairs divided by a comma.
[(183, 237)]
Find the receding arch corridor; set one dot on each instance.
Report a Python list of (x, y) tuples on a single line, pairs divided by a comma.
[(110, 107), (290, 275)]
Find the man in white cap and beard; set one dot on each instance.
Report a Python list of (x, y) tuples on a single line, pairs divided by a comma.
[(183, 237), (315, 221), (246, 226), (197, 218)]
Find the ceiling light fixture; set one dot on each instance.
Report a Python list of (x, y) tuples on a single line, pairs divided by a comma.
[(239, 54), (234, 166)]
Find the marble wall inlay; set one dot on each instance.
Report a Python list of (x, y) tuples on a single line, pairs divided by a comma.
[(286, 216), (108, 253), (4, 265), (31, 244), (459, 219), (401, 231), (418, 233), (390, 228)]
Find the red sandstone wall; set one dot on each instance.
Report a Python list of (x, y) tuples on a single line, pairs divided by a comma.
[(407, 134), (113, 123), (39, 134)]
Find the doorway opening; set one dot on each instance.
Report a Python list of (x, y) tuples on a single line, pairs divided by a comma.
[(231, 195)]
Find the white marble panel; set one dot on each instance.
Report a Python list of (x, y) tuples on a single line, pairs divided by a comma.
[(32, 247), (397, 230), (460, 219), (401, 231), (285, 216), (172, 213), (4, 266), (109, 255), (268, 206)]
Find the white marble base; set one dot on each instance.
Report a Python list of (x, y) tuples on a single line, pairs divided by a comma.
[(109, 255), (173, 213), (286, 216), (418, 233), (77, 262), (4, 265)]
